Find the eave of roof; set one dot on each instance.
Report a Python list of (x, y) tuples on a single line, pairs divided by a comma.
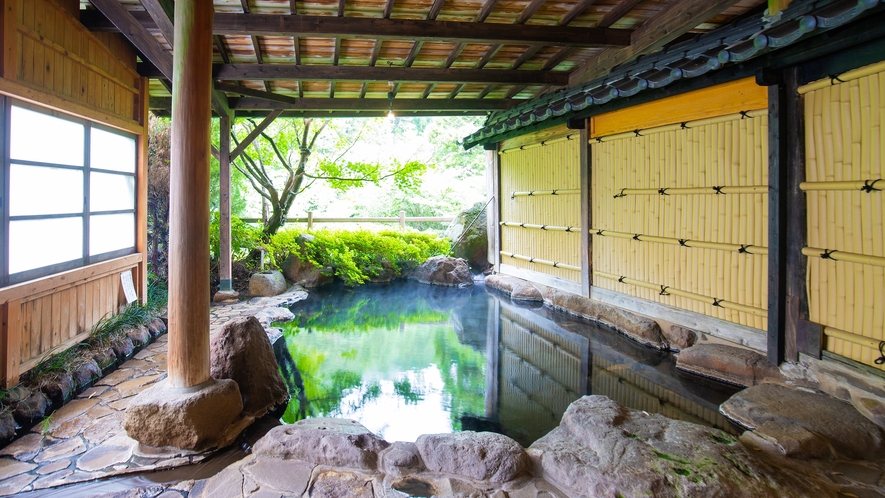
[(735, 43)]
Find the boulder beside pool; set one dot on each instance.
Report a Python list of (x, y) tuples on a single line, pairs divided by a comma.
[(443, 270)]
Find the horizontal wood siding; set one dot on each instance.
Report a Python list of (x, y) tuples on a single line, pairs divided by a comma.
[(553, 166), (90, 74), (732, 153), (845, 130), (50, 314)]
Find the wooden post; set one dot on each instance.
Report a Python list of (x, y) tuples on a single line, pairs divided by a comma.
[(141, 243), (493, 361), (494, 218), (586, 220), (224, 264), (777, 223), (188, 357), (402, 220), (310, 220)]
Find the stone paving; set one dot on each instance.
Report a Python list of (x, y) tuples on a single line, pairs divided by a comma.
[(84, 440)]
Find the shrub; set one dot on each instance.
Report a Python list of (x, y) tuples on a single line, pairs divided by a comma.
[(357, 256), (243, 237)]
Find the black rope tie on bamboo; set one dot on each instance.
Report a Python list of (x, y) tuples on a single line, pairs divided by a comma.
[(870, 185), (555, 264), (683, 242), (745, 249), (636, 131), (543, 227), (553, 192), (719, 190), (663, 191), (683, 125), (522, 225), (881, 359), (599, 232), (745, 114), (531, 260), (531, 193), (834, 78), (512, 195), (621, 279), (828, 254), (599, 140), (664, 290), (717, 302), (636, 237), (543, 143), (621, 194), (568, 228)]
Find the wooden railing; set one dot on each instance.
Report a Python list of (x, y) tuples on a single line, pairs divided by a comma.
[(402, 219)]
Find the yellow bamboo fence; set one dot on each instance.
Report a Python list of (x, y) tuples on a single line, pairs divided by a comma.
[(540, 375), (685, 205), (540, 205), (844, 133), (634, 391)]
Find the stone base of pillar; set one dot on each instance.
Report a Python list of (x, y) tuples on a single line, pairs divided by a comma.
[(226, 297), (192, 418)]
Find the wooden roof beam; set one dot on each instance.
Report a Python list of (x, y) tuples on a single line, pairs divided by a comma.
[(388, 9), (245, 4), (137, 34), (529, 11), (292, 7), (390, 29), (618, 11), (162, 12), (435, 9), (401, 74), (486, 9), (278, 102), (674, 21), (219, 43), (577, 10), (254, 133)]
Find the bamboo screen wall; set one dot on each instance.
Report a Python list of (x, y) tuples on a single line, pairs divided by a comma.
[(552, 166), (634, 391), (542, 373), (654, 235), (90, 74), (844, 135)]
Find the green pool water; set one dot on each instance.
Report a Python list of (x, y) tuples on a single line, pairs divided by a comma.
[(406, 359)]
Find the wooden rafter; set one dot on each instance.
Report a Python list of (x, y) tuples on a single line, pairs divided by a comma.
[(388, 9), (528, 54), (617, 12), (161, 11), (258, 100), (245, 4), (137, 34), (529, 11), (487, 7), (674, 21), (292, 7), (341, 8), (513, 92), (557, 58), (435, 9), (486, 57), (401, 74), (391, 29), (455, 91), (575, 11), (219, 44)]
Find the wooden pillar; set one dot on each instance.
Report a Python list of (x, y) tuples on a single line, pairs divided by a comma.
[(777, 218), (493, 361), (494, 217), (188, 359), (586, 220), (224, 265)]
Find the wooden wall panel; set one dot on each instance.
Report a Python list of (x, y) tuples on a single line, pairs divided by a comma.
[(90, 74), (732, 153), (553, 166), (844, 133)]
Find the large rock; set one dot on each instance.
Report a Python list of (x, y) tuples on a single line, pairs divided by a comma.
[(304, 272), (323, 441), (267, 283), (519, 289), (241, 351), (604, 449), (805, 425), (474, 241), (477, 455), (194, 418), (680, 337), (732, 364), (639, 328), (400, 459), (442, 270), (28, 407)]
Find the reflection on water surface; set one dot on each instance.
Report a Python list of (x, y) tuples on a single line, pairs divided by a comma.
[(406, 359)]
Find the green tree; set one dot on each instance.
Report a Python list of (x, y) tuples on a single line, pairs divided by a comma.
[(280, 165)]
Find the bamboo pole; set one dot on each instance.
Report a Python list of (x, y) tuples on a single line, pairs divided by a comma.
[(867, 342), (739, 248), (679, 126), (867, 186), (845, 77), (530, 193), (666, 290), (543, 143), (850, 257), (545, 262)]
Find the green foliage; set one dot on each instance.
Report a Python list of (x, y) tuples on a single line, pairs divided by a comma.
[(110, 326), (357, 256), (243, 237), (54, 361), (157, 294), (403, 388)]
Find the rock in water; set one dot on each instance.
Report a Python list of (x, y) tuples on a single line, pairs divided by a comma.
[(474, 245), (323, 441), (242, 352), (442, 270), (604, 449), (805, 425), (477, 455), (732, 364), (266, 284)]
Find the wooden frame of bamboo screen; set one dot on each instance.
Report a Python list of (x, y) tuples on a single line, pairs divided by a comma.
[(691, 193), (540, 187), (844, 172)]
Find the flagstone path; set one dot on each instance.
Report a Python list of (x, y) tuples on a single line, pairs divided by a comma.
[(85, 440)]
